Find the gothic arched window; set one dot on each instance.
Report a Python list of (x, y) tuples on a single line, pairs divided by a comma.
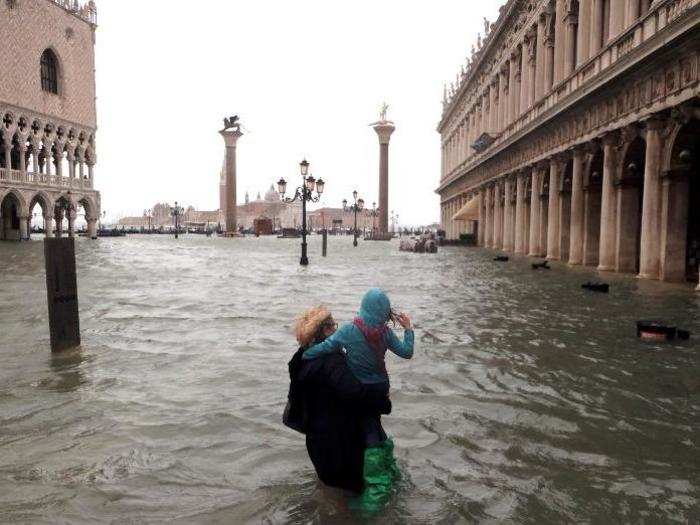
[(49, 72)]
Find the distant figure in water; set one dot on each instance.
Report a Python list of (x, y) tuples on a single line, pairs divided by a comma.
[(329, 405), (366, 341)]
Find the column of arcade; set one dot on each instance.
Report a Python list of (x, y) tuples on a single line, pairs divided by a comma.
[(608, 204)]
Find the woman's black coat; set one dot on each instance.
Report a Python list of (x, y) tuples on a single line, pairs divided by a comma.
[(326, 402)]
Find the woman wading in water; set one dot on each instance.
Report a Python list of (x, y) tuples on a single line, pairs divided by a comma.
[(365, 341)]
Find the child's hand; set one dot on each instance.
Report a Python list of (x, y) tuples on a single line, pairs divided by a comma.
[(404, 321)]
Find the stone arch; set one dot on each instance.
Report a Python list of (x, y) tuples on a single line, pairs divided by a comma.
[(13, 215), (680, 228), (23, 209), (88, 205), (44, 200)]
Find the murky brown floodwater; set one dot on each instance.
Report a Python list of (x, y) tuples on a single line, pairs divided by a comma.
[(527, 400)]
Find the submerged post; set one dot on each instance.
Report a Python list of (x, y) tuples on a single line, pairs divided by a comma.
[(62, 293), (325, 242)]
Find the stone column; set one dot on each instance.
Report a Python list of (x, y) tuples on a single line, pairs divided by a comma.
[(576, 235), (498, 218), (555, 175), (58, 159), (23, 230), (617, 18), (596, 41), (548, 75), (493, 107), (535, 214), (510, 103), (35, 158), (631, 12), (532, 68), (48, 156), (583, 31), (482, 217), (651, 201), (80, 160), (606, 260), (58, 216), (71, 222), (70, 155), (564, 240), (544, 213), (524, 77), (231, 137), (48, 225), (559, 41), (570, 25), (8, 155), (540, 57), (508, 241), (502, 100), (515, 85), (92, 228), (520, 213), (91, 171), (527, 198), (489, 217), (23, 158), (384, 129)]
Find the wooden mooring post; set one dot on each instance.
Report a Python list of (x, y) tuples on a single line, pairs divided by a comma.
[(325, 242), (62, 293)]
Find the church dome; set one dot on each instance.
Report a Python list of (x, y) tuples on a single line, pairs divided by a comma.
[(271, 194)]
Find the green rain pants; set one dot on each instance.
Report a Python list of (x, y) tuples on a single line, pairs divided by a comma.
[(380, 475)]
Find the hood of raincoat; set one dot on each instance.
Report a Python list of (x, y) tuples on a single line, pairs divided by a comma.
[(375, 308)]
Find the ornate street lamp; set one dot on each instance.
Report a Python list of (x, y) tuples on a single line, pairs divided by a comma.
[(176, 213), (358, 206), (305, 193)]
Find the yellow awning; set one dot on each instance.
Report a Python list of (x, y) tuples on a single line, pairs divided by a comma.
[(468, 212)]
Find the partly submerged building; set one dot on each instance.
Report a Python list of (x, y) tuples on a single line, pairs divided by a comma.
[(47, 115), (574, 134)]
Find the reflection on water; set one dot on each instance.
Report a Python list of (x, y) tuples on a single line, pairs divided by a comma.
[(528, 398), (66, 373)]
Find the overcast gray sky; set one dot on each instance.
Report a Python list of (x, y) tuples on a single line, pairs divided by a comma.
[(306, 77)]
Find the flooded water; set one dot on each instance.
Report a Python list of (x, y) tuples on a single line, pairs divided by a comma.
[(528, 399)]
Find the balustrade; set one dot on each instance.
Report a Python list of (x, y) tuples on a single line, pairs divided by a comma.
[(32, 178)]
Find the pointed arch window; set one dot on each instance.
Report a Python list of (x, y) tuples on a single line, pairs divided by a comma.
[(49, 72)]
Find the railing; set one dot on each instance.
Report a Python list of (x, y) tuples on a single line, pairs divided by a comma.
[(659, 17), (41, 179), (87, 12)]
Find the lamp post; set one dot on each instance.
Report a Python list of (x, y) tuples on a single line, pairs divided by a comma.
[(356, 207), (176, 213), (305, 193)]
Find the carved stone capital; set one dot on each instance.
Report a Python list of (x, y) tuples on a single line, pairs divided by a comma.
[(629, 133), (611, 139)]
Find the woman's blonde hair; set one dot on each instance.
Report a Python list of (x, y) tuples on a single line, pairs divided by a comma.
[(309, 323)]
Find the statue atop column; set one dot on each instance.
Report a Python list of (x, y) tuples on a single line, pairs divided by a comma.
[(382, 112), (232, 123), (384, 128), (231, 133)]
